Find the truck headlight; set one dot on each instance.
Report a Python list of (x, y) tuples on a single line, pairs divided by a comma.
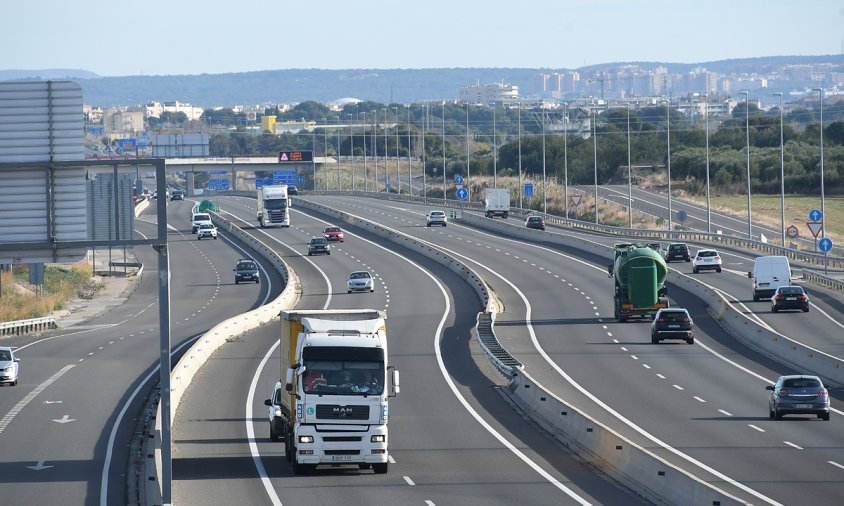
[(277, 411), (306, 439), (378, 438)]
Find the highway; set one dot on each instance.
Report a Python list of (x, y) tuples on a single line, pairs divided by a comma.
[(67, 427), (702, 407), (454, 439)]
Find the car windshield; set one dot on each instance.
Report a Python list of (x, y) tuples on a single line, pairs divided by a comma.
[(703, 254), (681, 247), (343, 377), (332, 229), (534, 220), (674, 316), (5, 355), (359, 275), (318, 240), (275, 204), (801, 383), (246, 266), (791, 290), (206, 226), (437, 213), (201, 217)]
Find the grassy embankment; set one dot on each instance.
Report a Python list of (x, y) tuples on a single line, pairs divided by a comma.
[(19, 300)]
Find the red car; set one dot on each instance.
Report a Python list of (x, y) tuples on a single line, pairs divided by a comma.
[(333, 234)]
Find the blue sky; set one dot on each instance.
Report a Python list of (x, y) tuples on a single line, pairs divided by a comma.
[(156, 37)]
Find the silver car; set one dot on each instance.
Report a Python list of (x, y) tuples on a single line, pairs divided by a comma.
[(8, 366), (360, 281), (798, 395)]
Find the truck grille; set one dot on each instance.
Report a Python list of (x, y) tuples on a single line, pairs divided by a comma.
[(342, 452), (342, 439), (337, 412), (276, 216)]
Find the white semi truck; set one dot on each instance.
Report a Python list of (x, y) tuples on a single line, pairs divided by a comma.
[(273, 206), (497, 202), (331, 405)]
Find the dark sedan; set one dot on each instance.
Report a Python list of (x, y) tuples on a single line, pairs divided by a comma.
[(798, 395), (535, 222), (790, 297), (319, 245)]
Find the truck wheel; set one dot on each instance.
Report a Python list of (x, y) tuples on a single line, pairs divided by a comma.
[(288, 451), (694, 270), (365, 466), (755, 297), (298, 468), (236, 282), (273, 436), (380, 468), (654, 339), (258, 281), (505, 216)]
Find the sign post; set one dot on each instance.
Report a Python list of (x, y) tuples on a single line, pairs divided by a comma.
[(575, 202), (825, 245)]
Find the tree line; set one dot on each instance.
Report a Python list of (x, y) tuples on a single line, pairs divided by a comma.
[(374, 129)]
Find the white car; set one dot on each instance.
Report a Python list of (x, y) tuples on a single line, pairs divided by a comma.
[(198, 219), (206, 230), (360, 281), (706, 259), (8, 366), (436, 218)]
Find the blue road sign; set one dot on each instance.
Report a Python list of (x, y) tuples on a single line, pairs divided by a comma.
[(815, 215), (218, 184), (217, 173), (462, 193), (458, 179), (301, 180), (388, 186), (825, 244), (287, 177), (528, 189), (681, 216)]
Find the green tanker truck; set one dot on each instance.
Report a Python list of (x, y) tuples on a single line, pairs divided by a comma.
[(639, 271)]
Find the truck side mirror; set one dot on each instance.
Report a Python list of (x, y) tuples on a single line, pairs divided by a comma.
[(394, 380), (268, 402), (769, 387), (750, 275), (288, 381), (609, 270)]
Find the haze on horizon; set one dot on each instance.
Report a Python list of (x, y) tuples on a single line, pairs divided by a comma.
[(159, 37)]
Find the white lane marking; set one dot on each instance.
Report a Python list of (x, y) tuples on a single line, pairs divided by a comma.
[(755, 427), (391, 459), (789, 443), (585, 392), (646, 366), (660, 376), (623, 348), (429, 502), (836, 464), (408, 480), (634, 357), (699, 399), (678, 387), (8, 417), (725, 413)]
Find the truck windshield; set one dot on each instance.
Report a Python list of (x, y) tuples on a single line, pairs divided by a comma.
[(343, 377), (275, 203)]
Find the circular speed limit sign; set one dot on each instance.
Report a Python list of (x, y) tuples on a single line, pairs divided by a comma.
[(791, 231)]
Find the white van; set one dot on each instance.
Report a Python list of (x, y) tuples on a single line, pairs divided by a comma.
[(769, 273), (198, 219)]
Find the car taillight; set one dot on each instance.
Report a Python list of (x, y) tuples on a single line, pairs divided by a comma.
[(780, 297), (660, 320), (686, 320), (783, 393), (717, 258), (822, 394), (803, 297)]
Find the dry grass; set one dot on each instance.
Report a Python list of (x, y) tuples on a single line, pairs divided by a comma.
[(20, 300)]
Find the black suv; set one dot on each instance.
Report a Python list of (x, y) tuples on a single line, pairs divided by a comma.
[(246, 270), (292, 190), (319, 245), (677, 251), (177, 195), (672, 323), (535, 222)]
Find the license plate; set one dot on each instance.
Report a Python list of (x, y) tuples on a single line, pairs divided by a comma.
[(341, 458), (803, 406), (791, 298), (673, 326)]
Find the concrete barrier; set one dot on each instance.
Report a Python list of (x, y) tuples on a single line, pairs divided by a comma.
[(632, 465), (199, 353)]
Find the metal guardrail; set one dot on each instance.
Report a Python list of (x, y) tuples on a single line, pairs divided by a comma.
[(500, 357), (23, 327), (823, 280)]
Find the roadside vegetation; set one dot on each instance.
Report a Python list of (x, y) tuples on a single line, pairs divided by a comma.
[(20, 300)]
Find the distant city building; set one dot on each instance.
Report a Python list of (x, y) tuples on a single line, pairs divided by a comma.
[(92, 114), (488, 94), (157, 108), (116, 121)]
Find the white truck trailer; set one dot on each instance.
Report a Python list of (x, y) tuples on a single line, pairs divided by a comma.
[(497, 202), (331, 405), (273, 206)]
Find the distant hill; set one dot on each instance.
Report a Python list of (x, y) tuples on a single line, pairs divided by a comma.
[(379, 85), (45, 74)]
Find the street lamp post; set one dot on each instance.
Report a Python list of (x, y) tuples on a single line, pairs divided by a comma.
[(375, 145), (668, 161), (352, 149), (386, 157), (782, 176), (365, 172), (595, 164), (566, 155), (521, 186), (494, 151), (468, 186), (398, 176), (325, 149), (444, 188), (339, 127), (823, 209), (424, 168), (708, 202), (747, 143), (629, 175), (544, 181), (409, 161)]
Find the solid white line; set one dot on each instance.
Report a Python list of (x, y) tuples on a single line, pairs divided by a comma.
[(408, 480), (789, 443), (755, 427), (836, 464)]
